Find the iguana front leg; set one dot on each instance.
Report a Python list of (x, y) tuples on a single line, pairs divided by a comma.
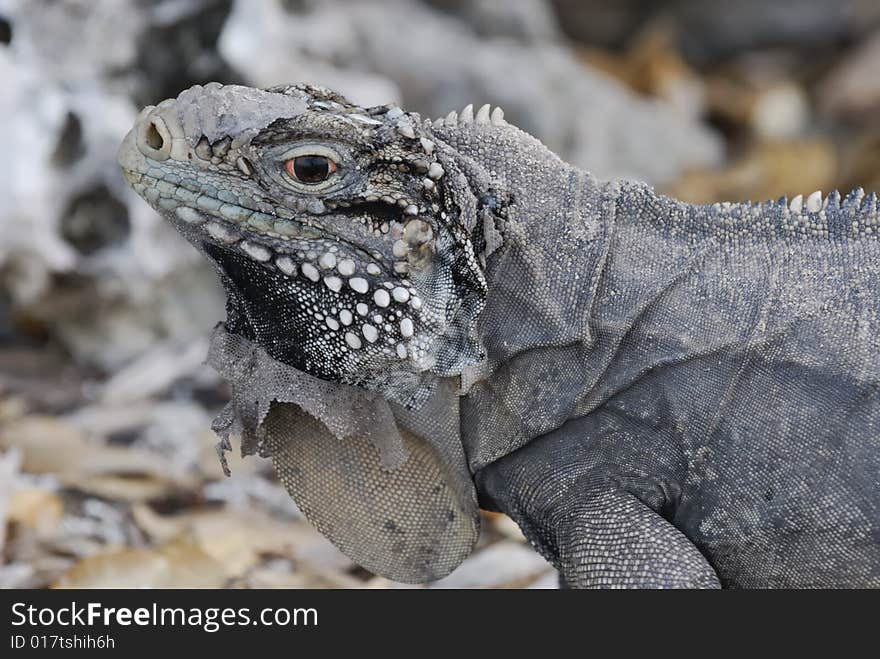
[(598, 527)]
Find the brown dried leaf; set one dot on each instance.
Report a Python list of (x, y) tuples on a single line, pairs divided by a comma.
[(38, 510), (236, 539), (181, 563), (507, 527), (269, 578), (505, 564), (50, 446)]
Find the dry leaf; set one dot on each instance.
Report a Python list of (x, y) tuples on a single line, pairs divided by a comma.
[(507, 527), (50, 446), (38, 510), (236, 539), (180, 563), (505, 564), (269, 578)]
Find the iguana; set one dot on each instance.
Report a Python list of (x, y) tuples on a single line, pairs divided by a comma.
[(428, 317)]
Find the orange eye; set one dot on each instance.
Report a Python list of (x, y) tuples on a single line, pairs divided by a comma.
[(310, 168)]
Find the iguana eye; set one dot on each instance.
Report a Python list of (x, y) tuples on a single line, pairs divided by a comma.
[(310, 168)]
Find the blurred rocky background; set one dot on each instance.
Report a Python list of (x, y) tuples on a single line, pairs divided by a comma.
[(108, 475)]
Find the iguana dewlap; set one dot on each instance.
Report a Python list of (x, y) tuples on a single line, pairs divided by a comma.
[(424, 316)]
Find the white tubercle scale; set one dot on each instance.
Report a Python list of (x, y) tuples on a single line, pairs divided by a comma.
[(399, 249), (400, 294), (286, 265), (406, 129), (221, 233), (346, 267), (381, 298), (189, 215), (327, 261), (333, 283), (256, 252), (310, 272), (370, 333)]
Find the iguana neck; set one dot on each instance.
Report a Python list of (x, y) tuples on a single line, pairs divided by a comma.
[(542, 284), (556, 229)]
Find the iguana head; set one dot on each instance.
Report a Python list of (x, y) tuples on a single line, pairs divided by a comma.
[(347, 238)]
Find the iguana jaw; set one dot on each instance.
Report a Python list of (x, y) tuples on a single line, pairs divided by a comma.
[(354, 266)]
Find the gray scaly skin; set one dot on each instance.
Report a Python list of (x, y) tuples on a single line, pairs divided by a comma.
[(660, 394)]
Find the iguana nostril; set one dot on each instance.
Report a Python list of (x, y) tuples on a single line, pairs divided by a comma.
[(154, 139)]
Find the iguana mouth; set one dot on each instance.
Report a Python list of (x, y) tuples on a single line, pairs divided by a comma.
[(267, 237)]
